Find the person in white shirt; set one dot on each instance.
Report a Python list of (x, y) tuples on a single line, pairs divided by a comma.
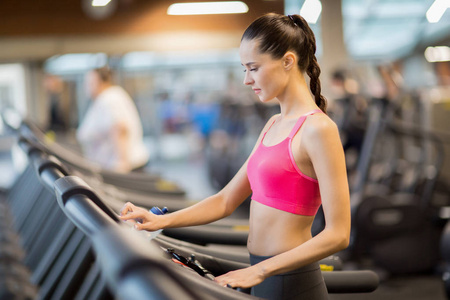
[(111, 132)]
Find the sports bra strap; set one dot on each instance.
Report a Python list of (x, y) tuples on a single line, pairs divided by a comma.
[(264, 135), (300, 122)]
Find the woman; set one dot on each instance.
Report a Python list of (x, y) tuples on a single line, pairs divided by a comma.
[(296, 165)]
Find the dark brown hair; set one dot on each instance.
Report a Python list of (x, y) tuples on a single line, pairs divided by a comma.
[(278, 34)]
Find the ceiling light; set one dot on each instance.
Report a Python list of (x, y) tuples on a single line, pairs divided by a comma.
[(435, 54), (311, 10), (208, 8), (99, 9), (100, 2), (437, 10)]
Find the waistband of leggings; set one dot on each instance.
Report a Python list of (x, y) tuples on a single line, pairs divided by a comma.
[(254, 259)]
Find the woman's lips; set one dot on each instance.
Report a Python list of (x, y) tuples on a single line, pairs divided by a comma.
[(257, 91)]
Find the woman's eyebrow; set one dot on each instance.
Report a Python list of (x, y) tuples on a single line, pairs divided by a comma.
[(249, 63)]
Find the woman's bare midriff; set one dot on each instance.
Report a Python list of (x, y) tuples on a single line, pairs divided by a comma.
[(274, 231)]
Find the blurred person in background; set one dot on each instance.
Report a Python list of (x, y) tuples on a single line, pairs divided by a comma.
[(59, 105), (349, 113), (296, 166), (111, 132)]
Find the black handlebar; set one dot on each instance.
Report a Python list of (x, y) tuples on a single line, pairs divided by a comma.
[(361, 281), (70, 186)]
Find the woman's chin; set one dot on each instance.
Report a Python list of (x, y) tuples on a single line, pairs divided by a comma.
[(265, 99)]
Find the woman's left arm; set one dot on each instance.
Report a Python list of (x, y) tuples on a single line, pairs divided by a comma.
[(327, 156)]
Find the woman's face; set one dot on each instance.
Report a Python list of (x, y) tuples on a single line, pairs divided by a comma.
[(266, 76)]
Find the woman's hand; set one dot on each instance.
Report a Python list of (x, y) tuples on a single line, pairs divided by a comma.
[(243, 278), (148, 220)]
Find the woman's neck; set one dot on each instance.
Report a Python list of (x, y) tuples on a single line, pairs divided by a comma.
[(296, 98)]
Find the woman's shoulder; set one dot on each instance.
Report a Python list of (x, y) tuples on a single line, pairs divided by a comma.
[(320, 125)]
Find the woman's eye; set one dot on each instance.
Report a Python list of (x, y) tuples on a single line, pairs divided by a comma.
[(251, 69)]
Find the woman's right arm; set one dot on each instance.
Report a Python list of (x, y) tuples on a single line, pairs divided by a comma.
[(206, 211)]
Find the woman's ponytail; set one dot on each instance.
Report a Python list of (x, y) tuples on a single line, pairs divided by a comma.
[(312, 68), (313, 71)]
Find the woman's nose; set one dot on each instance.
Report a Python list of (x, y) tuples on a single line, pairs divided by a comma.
[(248, 79)]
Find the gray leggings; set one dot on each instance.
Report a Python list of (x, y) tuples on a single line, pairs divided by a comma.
[(304, 283)]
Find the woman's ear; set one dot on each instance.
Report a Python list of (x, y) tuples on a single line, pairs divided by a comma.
[(289, 60)]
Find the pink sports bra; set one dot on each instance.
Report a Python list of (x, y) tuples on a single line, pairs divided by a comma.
[(276, 180)]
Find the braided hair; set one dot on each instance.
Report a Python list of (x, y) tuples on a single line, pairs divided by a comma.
[(279, 34)]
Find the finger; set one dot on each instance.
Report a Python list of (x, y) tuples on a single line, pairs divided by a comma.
[(219, 280), (126, 208), (144, 226), (130, 222), (222, 279), (222, 284), (138, 226), (132, 215), (147, 226)]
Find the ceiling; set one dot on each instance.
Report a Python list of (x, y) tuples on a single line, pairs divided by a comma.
[(79, 18), (385, 29), (391, 28), (373, 29)]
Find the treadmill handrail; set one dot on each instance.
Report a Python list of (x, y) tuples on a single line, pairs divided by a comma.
[(122, 254), (69, 186), (361, 281)]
